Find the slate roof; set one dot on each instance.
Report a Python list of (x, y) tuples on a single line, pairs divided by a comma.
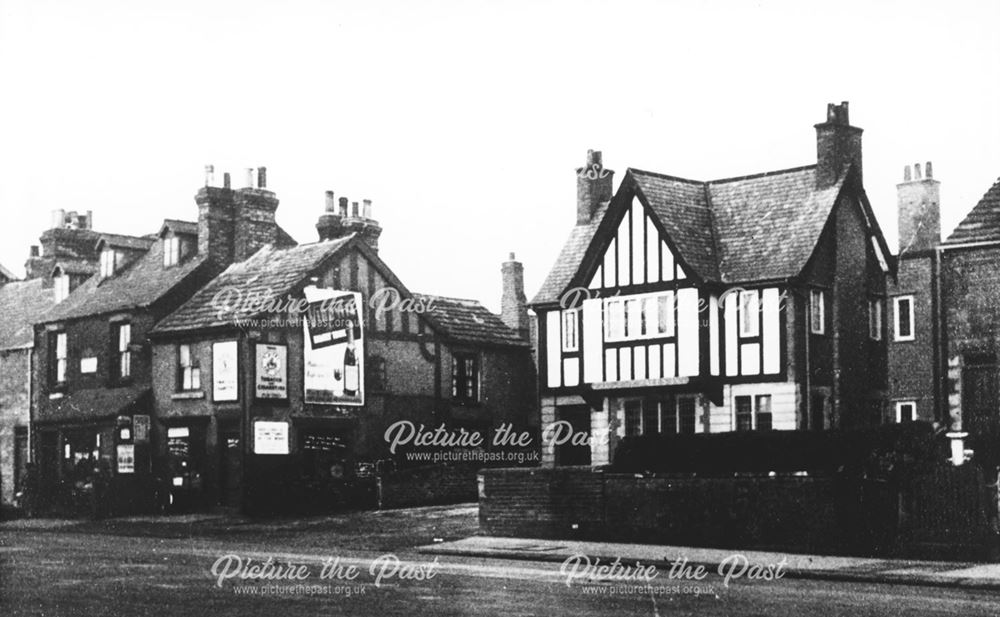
[(21, 302), (76, 266), (468, 321), (178, 226), (7, 274), (982, 224), (134, 243), (271, 271), (719, 227), (139, 284)]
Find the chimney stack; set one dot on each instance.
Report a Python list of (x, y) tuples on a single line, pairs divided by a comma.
[(919, 210), (336, 223), (593, 187), (513, 303), (330, 225), (838, 144)]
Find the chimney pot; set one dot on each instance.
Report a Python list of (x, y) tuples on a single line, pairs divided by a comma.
[(209, 175), (906, 174), (90, 219), (262, 177), (367, 208), (916, 171), (331, 203), (928, 171), (512, 257), (248, 177), (343, 206), (354, 209), (34, 250), (226, 181)]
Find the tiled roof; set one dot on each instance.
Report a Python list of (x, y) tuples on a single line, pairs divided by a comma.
[(565, 268), (134, 243), (21, 302), (7, 274), (180, 227), (734, 230), (95, 403), (270, 272), (982, 224), (468, 321), (139, 284), (284, 239), (76, 266)]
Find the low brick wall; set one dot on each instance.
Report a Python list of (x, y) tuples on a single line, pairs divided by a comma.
[(746, 511), (426, 486)]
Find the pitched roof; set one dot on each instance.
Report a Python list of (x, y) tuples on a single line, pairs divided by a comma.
[(134, 243), (270, 272), (468, 321), (75, 266), (982, 224), (21, 302), (180, 227), (718, 226), (7, 274), (139, 284)]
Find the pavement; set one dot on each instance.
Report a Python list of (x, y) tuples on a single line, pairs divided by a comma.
[(735, 563)]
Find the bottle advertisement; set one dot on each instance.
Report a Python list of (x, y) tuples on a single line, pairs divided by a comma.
[(333, 347)]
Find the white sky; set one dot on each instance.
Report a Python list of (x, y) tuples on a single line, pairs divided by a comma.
[(464, 121)]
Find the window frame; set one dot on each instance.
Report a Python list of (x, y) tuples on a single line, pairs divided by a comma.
[(59, 358), (753, 413), (640, 325), (60, 285), (469, 381), (815, 294), (570, 326), (899, 411), (745, 313), (121, 367), (108, 262), (876, 313), (188, 375), (171, 251), (896, 336)]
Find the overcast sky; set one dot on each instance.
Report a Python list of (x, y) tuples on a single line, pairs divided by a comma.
[(464, 121)]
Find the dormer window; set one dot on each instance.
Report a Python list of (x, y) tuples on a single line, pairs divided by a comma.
[(61, 286), (171, 251), (109, 261)]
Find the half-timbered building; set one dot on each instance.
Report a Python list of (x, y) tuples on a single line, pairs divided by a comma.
[(750, 303)]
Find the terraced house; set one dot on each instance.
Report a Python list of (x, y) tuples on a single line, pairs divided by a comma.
[(750, 303)]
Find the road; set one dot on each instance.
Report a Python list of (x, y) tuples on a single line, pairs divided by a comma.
[(97, 571)]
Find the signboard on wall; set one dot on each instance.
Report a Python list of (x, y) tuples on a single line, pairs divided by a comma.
[(140, 428), (126, 458), (271, 375), (225, 377), (333, 348), (270, 437)]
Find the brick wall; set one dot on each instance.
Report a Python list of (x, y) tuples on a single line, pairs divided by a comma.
[(14, 412), (426, 486), (911, 363)]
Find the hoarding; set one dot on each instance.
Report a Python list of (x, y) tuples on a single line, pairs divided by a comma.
[(333, 348), (271, 378)]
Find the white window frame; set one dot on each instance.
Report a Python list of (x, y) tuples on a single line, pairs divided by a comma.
[(124, 331), (899, 411), (755, 412), (62, 356), (108, 258), (171, 251), (875, 312), (620, 326), (571, 330), (749, 327), (190, 370), (61, 286), (819, 294), (895, 319)]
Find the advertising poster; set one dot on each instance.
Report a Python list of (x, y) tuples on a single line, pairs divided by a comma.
[(333, 348), (126, 458), (270, 437), (225, 379), (271, 381)]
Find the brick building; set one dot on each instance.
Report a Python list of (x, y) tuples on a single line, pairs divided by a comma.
[(92, 373), (946, 310), (748, 303), (254, 413)]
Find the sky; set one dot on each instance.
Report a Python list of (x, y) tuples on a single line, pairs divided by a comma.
[(464, 121)]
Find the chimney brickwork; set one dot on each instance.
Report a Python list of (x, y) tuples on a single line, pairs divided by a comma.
[(339, 220), (594, 186), (513, 303), (918, 200), (837, 145)]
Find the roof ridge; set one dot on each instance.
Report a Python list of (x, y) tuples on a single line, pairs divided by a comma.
[(664, 176), (763, 174)]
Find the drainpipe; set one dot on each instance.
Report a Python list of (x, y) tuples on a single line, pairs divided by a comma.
[(808, 371)]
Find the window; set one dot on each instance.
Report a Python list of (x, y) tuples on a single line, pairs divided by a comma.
[(61, 285), (121, 339), (904, 318), (109, 257), (59, 357), (650, 417), (570, 335), (753, 413), (639, 317), (906, 411), (465, 377), (189, 369), (171, 251), (817, 311), (633, 418), (875, 320), (686, 415), (749, 313)]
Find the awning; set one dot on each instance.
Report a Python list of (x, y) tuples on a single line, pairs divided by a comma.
[(94, 404)]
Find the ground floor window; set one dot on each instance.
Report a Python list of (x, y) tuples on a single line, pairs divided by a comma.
[(906, 411), (670, 415), (753, 413)]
